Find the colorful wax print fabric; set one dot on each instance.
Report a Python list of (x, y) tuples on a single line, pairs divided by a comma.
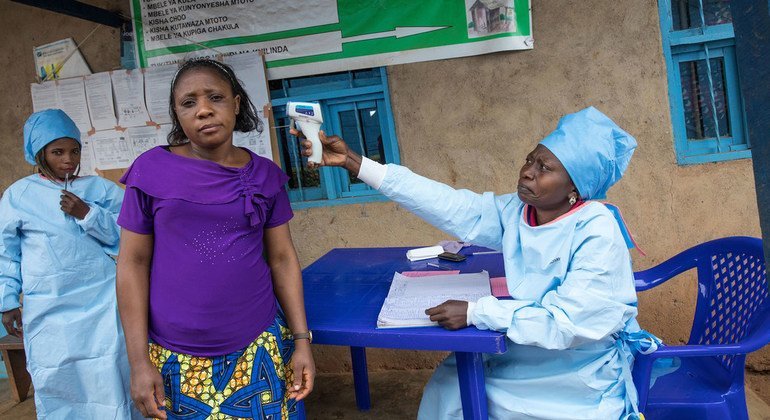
[(246, 384)]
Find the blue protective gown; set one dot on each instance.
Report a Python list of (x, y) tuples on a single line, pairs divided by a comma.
[(572, 322), (72, 334)]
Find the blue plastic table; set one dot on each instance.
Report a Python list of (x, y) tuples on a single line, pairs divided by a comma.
[(344, 291)]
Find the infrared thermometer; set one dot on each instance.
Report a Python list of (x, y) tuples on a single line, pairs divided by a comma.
[(307, 117)]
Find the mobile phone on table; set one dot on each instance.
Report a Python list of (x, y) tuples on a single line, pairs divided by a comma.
[(451, 256)]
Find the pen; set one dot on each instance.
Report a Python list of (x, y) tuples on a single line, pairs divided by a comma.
[(438, 266), (486, 252)]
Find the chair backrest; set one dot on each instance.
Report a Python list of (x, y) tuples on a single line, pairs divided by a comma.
[(732, 289), (733, 292)]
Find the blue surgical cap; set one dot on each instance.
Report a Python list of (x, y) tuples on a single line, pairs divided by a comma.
[(594, 150), (44, 127)]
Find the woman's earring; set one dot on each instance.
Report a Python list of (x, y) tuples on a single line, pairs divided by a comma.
[(572, 200)]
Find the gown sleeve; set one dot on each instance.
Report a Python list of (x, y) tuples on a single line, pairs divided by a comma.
[(10, 255), (101, 220), (587, 306), (469, 216)]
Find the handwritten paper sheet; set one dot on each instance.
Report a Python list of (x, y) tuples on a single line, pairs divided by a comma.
[(409, 297), (129, 95), (111, 150), (143, 139), (99, 97)]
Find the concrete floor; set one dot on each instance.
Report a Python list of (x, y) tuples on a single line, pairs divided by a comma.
[(395, 395)]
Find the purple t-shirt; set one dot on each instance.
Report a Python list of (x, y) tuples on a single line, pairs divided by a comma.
[(211, 291)]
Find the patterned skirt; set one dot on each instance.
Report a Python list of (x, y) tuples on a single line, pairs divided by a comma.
[(247, 384)]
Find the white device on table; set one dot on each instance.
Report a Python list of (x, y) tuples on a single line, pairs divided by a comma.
[(307, 117)]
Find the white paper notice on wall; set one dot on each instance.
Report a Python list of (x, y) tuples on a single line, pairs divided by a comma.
[(157, 88), (250, 71), (257, 142), (143, 139), (100, 103), (72, 100), (128, 87), (111, 150), (44, 96), (65, 94), (86, 156)]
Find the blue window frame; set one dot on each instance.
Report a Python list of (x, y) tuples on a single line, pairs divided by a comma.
[(704, 94), (355, 106)]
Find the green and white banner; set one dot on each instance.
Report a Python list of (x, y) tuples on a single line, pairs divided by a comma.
[(303, 37)]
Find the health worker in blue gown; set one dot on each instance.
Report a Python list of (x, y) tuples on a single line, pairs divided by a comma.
[(572, 320), (57, 234)]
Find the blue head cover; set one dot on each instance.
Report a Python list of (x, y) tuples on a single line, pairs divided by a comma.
[(44, 127), (594, 150)]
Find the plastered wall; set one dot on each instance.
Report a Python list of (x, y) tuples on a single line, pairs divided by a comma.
[(470, 122)]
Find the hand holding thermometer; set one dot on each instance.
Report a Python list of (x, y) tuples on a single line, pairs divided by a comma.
[(307, 117)]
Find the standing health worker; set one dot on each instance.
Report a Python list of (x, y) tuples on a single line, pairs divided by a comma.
[(57, 234)]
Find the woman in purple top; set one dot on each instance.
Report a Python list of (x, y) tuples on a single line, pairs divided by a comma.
[(205, 251)]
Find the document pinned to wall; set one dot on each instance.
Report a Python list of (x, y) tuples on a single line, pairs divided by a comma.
[(257, 142), (66, 94), (86, 156), (157, 88), (72, 100), (50, 60), (250, 69), (111, 150), (44, 96), (409, 297), (100, 103), (124, 113), (143, 139), (128, 86)]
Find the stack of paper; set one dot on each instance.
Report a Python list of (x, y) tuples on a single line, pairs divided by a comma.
[(409, 297), (418, 254)]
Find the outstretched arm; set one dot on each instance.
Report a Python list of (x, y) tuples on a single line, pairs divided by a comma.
[(472, 217)]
